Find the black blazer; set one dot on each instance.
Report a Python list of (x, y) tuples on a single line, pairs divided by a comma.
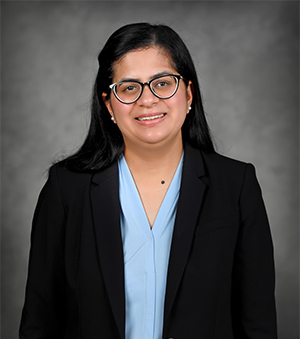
[(220, 282)]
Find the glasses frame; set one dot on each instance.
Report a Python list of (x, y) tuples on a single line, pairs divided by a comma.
[(176, 76)]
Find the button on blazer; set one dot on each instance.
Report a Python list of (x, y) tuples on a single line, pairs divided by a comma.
[(220, 282)]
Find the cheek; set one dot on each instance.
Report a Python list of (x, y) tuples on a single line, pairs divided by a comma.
[(118, 108), (180, 103), (121, 112)]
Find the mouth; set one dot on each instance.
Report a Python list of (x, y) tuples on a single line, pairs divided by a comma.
[(149, 118)]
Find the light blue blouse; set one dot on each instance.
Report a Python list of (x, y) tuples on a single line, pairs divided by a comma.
[(146, 255)]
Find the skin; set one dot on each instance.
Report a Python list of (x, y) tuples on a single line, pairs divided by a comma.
[(153, 148)]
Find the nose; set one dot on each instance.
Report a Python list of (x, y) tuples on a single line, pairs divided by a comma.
[(147, 98)]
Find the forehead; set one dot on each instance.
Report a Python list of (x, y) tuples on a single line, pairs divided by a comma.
[(142, 64)]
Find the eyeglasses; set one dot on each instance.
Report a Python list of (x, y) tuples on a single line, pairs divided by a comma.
[(163, 87)]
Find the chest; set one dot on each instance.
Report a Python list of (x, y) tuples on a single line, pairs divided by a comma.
[(152, 197)]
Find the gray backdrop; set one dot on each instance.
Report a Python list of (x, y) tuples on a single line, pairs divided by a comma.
[(246, 54)]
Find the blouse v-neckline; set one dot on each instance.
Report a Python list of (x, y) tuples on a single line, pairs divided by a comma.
[(133, 195)]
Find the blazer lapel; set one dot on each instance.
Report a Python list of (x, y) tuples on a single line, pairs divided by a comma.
[(191, 195), (106, 213)]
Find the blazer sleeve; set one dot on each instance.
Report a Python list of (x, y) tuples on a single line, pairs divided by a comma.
[(45, 302), (253, 300)]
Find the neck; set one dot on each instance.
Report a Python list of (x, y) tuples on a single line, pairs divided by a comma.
[(153, 159)]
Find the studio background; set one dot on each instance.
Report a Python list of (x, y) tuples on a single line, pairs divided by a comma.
[(246, 54)]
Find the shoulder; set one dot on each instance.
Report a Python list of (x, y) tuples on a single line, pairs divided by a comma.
[(227, 166), (213, 164), (218, 163), (65, 185), (228, 173), (66, 177), (72, 182), (218, 170)]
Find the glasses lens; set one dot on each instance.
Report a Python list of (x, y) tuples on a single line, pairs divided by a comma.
[(164, 86), (128, 91)]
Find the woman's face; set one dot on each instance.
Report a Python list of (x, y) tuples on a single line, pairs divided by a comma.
[(143, 65)]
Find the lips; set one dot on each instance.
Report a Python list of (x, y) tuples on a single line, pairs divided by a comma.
[(150, 117)]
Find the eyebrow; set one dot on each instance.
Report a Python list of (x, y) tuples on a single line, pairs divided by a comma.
[(152, 77)]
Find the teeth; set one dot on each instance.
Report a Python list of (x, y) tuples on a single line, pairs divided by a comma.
[(151, 118)]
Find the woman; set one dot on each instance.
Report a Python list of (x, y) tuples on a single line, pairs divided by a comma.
[(146, 232)]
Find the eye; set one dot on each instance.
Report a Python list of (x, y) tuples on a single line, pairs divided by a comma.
[(162, 83), (128, 87)]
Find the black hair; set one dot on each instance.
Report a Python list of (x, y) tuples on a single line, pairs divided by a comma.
[(104, 142)]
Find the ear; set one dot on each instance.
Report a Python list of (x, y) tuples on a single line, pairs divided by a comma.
[(189, 94), (107, 103)]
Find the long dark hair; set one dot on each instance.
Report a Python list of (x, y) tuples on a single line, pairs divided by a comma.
[(104, 142)]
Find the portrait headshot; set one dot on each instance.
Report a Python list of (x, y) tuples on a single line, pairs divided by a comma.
[(150, 169)]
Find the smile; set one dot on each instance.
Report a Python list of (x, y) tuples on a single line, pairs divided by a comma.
[(151, 118)]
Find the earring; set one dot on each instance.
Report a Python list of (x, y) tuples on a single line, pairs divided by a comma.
[(112, 118), (190, 108)]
